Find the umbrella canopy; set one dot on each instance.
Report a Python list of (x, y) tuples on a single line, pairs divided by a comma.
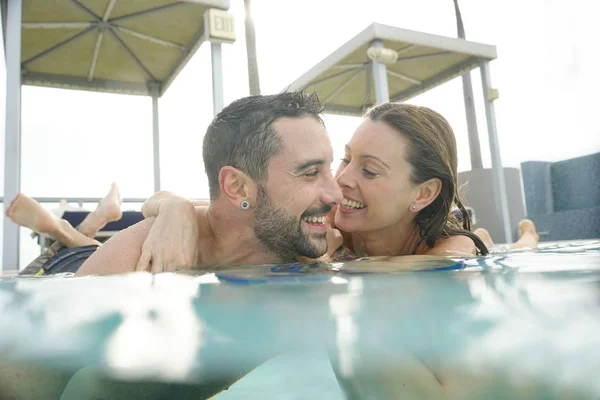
[(344, 79), (119, 46)]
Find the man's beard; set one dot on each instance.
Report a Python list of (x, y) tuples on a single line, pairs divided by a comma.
[(282, 234)]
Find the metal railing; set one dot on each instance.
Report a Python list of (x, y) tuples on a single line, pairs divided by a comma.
[(81, 200)]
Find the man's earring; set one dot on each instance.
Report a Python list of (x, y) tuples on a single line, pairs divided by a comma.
[(244, 205)]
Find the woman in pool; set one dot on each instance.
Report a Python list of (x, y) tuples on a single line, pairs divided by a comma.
[(400, 183), (399, 180)]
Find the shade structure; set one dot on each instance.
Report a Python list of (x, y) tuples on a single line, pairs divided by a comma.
[(345, 81), (122, 46)]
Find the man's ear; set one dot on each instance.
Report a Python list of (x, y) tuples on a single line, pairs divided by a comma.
[(428, 192), (236, 186)]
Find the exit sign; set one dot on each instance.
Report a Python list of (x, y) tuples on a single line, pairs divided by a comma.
[(219, 25)]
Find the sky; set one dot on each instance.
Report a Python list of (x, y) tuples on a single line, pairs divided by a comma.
[(75, 143)]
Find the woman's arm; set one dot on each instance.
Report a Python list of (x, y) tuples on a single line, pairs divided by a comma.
[(151, 206), (173, 238)]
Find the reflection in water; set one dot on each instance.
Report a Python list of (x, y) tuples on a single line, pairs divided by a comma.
[(342, 307), (165, 315), (519, 325)]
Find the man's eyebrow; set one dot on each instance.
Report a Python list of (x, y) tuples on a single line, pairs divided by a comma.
[(307, 164)]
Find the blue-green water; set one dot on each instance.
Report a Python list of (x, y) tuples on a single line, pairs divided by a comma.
[(510, 325)]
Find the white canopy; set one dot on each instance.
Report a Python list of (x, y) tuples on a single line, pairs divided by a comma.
[(344, 80)]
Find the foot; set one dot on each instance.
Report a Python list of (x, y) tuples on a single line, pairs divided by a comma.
[(485, 237), (109, 209), (529, 238), (27, 212)]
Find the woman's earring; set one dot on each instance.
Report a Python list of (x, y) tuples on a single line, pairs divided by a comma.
[(244, 205), (413, 207)]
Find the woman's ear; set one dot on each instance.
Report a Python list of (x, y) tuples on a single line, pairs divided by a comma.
[(428, 192)]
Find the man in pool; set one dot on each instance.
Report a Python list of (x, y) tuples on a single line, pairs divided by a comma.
[(267, 159)]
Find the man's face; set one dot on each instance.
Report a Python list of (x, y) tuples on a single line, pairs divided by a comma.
[(300, 190)]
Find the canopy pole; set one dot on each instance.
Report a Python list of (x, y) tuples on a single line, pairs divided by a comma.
[(500, 194), (217, 77), (156, 136), (382, 93), (474, 147), (12, 140)]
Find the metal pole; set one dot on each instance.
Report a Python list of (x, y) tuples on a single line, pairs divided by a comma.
[(382, 93), (217, 77), (156, 137), (474, 146), (3, 8), (253, 80), (12, 149), (501, 197)]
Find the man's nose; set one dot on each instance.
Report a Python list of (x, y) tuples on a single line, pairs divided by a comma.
[(332, 194)]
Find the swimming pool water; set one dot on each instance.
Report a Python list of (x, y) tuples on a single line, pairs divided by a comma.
[(515, 325)]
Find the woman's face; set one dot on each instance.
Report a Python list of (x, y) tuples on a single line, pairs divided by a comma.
[(375, 180)]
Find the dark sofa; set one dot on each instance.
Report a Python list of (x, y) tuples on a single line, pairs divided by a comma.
[(563, 197)]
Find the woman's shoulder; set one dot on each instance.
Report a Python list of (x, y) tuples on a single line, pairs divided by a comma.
[(456, 245)]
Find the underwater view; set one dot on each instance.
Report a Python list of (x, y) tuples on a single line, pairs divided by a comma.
[(509, 325)]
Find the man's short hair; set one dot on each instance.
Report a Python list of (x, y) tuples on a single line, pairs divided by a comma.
[(241, 135)]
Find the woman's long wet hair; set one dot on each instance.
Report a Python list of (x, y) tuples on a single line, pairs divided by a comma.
[(432, 154)]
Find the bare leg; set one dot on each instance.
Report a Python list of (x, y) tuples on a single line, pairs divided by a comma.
[(529, 238), (109, 209), (29, 213), (485, 237)]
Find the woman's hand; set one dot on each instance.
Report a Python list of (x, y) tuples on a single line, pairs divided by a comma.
[(172, 241), (334, 241), (152, 204)]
